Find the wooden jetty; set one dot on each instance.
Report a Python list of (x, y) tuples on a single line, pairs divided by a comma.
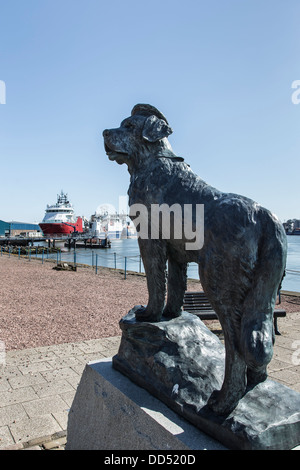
[(80, 241)]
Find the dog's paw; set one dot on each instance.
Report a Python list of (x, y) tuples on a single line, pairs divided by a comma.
[(222, 404), (254, 377), (143, 314), (168, 313), (216, 404)]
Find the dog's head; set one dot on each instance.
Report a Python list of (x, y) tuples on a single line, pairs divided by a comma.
[(142, 135)]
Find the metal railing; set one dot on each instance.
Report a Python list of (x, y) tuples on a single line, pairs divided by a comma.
[(95, 260)]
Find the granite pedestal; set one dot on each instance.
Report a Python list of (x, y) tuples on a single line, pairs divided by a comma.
[(109, 412)]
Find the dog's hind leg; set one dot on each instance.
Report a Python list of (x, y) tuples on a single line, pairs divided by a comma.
[(257, 329), (177, 278), (257, 334), (154, 256), (223, 401)]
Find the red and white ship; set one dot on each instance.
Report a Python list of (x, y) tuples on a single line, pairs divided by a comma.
[(60, 218)]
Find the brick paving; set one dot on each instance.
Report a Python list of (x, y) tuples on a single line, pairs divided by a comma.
[(37, 385)]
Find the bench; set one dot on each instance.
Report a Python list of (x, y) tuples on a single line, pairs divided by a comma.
[(198, 304)]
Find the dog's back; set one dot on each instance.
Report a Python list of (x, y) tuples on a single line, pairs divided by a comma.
[(241, 261)]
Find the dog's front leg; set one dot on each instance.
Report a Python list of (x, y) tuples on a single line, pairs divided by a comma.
[(177, 278), (153, 253)]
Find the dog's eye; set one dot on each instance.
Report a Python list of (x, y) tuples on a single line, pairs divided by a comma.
[(128, 125)]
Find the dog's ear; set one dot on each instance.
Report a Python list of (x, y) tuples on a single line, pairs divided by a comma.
[(155, 129)]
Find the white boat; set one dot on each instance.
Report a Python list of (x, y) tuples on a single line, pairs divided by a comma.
[(112, 226)]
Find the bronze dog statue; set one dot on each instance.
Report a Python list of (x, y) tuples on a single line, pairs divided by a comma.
[(241, 259)]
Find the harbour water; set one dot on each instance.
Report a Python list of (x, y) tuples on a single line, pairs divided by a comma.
[(124, 254), (291, 281)]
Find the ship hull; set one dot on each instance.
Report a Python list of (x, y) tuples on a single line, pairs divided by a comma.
[(61, 228)]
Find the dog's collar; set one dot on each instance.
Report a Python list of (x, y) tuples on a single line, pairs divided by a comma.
[(165, 153)]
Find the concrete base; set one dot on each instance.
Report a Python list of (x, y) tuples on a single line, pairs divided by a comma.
[(110, 412)]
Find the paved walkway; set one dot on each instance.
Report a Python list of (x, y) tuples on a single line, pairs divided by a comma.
[(37, 386)]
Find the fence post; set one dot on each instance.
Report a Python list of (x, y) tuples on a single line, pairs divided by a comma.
[(19, 252), (115, 257), (43, 256), (74, 258), (30, 253), (125, 265), (96, 263)]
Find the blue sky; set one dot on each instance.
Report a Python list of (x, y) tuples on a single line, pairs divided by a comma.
[(220, 70)]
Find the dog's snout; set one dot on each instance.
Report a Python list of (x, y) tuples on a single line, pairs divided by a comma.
[(105, 133)]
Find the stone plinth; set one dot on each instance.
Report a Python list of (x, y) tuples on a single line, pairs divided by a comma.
[(110, 412), (181, 362)]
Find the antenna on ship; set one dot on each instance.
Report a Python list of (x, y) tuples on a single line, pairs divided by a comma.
[(62, 198)]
